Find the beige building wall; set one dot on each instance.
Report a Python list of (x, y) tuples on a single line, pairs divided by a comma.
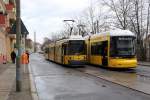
[(2, 45), (10, 46), (8, 49), (6, 45), (6, 40)]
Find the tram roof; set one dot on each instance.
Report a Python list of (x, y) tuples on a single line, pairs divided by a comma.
[(76, 37), (117, 32), (72, 37)]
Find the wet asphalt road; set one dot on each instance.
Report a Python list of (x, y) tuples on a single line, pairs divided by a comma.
[(55, 82)]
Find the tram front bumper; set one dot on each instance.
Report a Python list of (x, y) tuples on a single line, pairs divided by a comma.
[(77, 63), (123, 63)]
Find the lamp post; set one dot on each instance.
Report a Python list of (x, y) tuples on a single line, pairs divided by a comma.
[(71, 27), (18, 42)]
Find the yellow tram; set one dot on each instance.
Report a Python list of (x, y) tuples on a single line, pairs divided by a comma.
[(46, 51), (69, 51), (115, 49)]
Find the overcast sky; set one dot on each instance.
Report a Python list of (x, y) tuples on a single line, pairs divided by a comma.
[(46, 16)]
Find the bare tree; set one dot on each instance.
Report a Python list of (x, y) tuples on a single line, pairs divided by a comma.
[(138, 23), (148, 19), (87, 18), (147, 31), (132, 15), (121, 9)]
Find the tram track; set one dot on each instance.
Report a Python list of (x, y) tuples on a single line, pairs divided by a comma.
[(141, 75), (113, 81), (107, 79), (141, 72), (146, 65)]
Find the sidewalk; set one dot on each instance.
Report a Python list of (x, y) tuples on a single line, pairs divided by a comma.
[(144, 63), (7, 76), (7, 84)]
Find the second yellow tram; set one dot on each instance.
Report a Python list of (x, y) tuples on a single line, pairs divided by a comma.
[(69, 51)]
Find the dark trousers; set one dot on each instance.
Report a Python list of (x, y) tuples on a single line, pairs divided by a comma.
[(13, 61)]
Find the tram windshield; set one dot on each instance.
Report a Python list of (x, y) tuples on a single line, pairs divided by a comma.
[(122, 46), (76, 47)]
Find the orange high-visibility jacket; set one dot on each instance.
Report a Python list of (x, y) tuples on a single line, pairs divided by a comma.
[(24, 58)]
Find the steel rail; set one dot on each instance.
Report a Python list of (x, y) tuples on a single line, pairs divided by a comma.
[(112, 82)]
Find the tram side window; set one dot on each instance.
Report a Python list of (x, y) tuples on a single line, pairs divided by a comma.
[(57, 50), (49, 50), (113, 49), (46, 50), (85, 48), (65, 49), (93, 49), (96, 48), (52, 49)]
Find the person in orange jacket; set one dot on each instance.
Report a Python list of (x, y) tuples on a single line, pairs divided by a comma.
[(24, 58), (27, 52)]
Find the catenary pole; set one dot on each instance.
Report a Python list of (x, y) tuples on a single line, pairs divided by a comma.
[(18, 41), (34, 42)]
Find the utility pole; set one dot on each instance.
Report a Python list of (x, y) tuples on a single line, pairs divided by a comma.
[(80, 27), (97, 24), (71, 27), (34, 42), (18, 41)]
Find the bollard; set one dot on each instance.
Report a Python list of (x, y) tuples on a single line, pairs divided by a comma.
[(4, 59), (1, 59)]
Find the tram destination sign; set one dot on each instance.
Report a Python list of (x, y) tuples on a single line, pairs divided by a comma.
[(125, 38)]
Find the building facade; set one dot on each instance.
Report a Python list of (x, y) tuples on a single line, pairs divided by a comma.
[(29, 45), (7, 18)]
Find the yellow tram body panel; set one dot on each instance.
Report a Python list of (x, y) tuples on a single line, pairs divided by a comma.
[(58, 58), (123, 63), (115, 62), (51, 56), (74, 58), (96, 60), (51, 52), (58, 55)]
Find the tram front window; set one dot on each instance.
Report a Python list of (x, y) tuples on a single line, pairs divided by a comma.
[(123, 47), (76, 47)]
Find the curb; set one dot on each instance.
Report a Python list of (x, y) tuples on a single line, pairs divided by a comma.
[(143, 64), (33, 88)]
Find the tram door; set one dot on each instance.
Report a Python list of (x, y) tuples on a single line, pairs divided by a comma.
[(63, 53), (105, 53)]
